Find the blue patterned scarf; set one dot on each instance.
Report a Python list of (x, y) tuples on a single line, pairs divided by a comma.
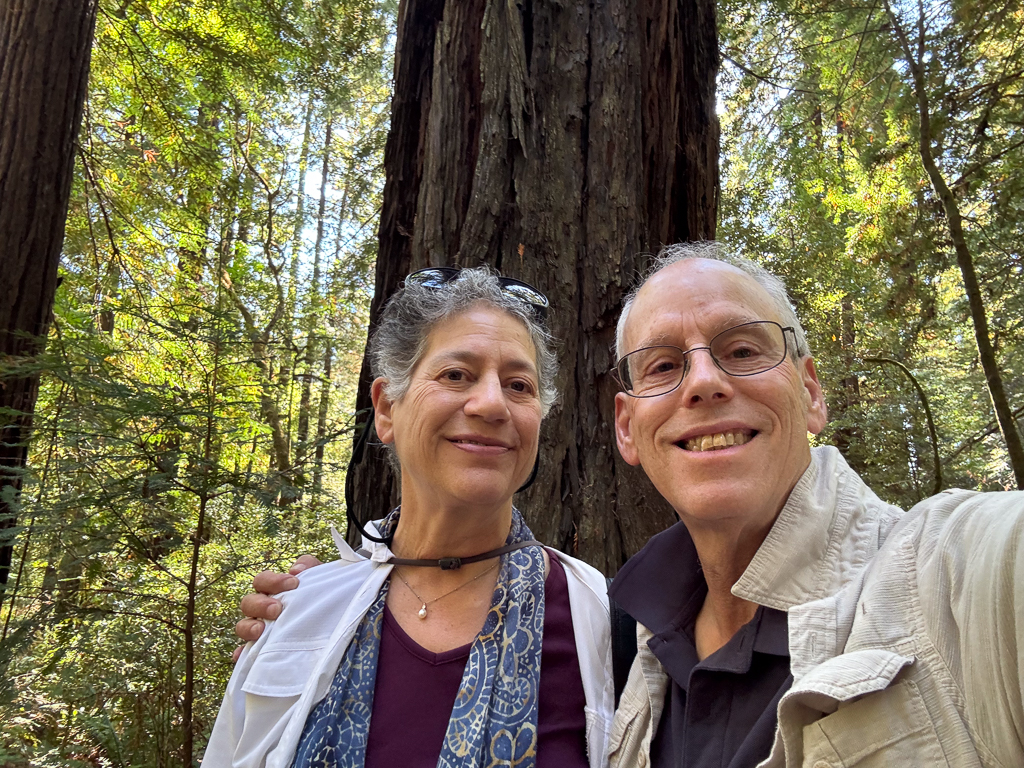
[(494, 719)]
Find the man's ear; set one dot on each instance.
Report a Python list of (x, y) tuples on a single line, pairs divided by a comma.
[(814, 396), (623, 429), (382, 411)]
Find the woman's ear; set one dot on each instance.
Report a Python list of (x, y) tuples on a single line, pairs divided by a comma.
[(382, 410)]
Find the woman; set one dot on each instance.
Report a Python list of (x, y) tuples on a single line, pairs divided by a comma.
[(453, 638)]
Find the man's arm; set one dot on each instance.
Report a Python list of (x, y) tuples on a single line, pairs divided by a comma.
[(259, 606), (985, 583)]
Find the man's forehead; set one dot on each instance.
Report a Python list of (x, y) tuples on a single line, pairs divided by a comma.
[(722, 293)]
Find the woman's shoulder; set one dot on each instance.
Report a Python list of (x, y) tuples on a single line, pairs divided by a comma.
[(583, 573), (312, 610)]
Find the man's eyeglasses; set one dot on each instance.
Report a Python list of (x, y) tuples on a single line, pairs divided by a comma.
[(743, 350), (438, 277)]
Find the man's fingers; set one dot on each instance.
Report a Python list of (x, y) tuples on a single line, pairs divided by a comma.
[(249, 629), (236, 653), (304, 562), (257, 606), (270, 583)]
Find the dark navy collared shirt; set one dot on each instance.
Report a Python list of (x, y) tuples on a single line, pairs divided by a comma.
[(720, 712)]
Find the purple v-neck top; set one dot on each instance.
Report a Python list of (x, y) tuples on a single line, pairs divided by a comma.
[(416, 689)]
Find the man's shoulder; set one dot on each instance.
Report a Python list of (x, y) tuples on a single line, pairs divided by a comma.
[(965, 522)]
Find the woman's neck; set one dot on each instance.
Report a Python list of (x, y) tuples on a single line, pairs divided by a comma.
[(449, 530)]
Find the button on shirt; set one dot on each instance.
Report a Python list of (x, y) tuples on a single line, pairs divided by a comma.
[(720, 712)]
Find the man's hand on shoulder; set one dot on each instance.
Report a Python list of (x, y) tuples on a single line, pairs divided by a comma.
[(259, 606)]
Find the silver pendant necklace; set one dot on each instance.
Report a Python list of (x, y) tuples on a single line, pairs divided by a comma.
[(422, 612)]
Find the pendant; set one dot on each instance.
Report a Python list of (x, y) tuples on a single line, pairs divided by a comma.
[(423, 612)]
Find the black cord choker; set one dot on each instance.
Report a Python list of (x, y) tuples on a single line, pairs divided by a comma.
[(454, 563)]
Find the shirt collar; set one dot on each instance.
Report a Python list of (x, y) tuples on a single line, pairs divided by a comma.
[(657, 584), (798, 560)]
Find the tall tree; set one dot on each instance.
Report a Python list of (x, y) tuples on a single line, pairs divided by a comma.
[(44, 69), (559, 143), (915, 44)]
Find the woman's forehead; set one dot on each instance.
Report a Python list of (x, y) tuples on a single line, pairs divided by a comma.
[(481, 331)]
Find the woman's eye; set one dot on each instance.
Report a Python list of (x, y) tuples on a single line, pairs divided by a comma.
[(454, 375)]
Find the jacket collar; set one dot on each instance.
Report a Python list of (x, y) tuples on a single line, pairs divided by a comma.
[(829, 529)]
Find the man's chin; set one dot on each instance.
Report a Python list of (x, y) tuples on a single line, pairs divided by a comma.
[(717, 503)]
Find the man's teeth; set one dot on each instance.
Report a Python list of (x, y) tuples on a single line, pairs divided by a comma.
[(717, 441)]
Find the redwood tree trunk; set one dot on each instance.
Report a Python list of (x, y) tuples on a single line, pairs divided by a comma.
[(559, 142), (44, 67)]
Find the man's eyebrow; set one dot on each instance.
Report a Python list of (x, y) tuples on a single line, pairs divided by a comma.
[(666, 338)]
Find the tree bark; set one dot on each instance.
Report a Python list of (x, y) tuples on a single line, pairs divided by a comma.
[(560, 143), (45, 48)]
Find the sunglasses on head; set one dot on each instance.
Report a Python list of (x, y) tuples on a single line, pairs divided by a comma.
[(438, 277)]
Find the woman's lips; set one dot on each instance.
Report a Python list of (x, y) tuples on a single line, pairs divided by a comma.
[(480, 446)]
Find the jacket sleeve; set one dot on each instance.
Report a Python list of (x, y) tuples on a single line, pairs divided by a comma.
[(983, 549)]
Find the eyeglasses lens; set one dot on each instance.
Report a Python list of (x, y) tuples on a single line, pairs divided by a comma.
[(525, 293), (743, 350), (433, 277)]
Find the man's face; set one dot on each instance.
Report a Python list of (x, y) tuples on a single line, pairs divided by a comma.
[(767, 415)]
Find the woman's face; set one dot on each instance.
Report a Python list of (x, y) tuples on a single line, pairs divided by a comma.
[(466, 430)]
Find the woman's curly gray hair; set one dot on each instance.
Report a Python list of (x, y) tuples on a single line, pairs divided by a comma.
[(415, 310)]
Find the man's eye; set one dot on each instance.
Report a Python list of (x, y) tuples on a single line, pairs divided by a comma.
[(742, 352), (453, 375), (521, 386), (665, 366)]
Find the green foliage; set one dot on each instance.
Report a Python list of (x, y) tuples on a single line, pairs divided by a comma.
[(201, 372), (823, 180), (166, 469)]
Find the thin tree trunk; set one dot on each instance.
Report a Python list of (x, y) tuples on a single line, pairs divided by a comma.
[(321, 421), (313, 297), (289, 355), (954, 219), (45, 48), (932, 432), (559, 143)]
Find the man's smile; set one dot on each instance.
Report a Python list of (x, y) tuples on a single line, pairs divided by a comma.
[(716, 441)]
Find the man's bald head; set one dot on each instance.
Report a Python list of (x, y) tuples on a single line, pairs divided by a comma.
[(769, 283)]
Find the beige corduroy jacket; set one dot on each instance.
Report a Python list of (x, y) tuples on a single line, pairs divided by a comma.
[(906, 631)]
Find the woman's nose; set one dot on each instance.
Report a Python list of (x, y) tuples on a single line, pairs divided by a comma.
[(487, 399)]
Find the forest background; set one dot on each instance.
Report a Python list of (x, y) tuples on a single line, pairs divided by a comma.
[(198, 390)]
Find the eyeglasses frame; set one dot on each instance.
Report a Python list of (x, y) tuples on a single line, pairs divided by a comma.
[(686, 361)]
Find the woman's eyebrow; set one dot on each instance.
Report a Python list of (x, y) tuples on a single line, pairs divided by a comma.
[(465, 356)]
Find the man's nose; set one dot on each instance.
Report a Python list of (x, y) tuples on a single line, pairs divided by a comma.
[(487, 399), (703, 380)]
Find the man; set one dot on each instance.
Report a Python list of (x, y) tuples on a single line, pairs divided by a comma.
[(792, 617)]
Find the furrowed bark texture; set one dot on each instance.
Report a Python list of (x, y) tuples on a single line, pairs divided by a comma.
[(560, 143), (44, 66)]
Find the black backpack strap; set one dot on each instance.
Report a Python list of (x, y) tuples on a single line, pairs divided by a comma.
[(623, 645)]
